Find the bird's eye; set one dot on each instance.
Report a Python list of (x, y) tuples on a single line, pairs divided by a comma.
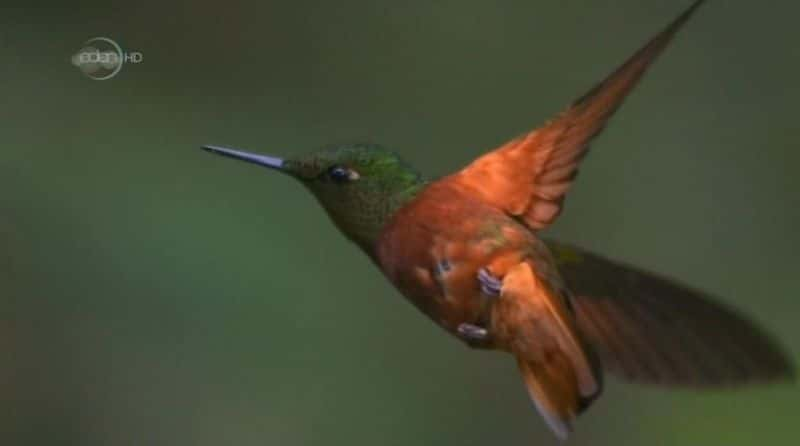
[(342, 174)]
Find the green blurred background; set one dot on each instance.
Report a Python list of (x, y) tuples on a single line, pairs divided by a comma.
[(154, 294)]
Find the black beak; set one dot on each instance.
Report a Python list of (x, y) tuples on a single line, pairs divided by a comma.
[(262, 160)]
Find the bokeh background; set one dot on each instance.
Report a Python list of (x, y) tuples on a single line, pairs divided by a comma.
[(153, 294)]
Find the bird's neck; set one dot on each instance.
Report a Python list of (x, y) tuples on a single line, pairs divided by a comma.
[(365, 229)]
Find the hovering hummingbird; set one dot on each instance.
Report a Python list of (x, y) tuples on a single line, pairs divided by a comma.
[(466, 250)]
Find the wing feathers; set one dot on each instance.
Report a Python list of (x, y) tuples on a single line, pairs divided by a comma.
[(653, 330), (529, 176)]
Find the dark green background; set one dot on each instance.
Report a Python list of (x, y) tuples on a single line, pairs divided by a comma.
[(154, 294)]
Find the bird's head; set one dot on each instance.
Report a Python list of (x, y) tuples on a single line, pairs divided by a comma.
[(359, 185)]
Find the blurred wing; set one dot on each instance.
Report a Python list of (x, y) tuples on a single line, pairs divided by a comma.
[(652, 330), (529, 176)]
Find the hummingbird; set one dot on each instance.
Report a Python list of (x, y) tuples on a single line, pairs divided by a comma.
[(466, 249)]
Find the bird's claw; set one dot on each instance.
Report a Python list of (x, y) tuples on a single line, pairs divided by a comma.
[(490, 285), (472, 332)]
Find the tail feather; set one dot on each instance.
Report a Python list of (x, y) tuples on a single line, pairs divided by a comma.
[(552, 389), (559, 372)]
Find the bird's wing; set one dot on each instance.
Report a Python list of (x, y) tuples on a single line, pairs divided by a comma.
[(652, 330), (529, 176)]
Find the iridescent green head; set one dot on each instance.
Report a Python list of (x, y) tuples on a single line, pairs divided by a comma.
[(359, 185)]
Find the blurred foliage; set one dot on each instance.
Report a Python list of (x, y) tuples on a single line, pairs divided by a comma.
[(154, 294)]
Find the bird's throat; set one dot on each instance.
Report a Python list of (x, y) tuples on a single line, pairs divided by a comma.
[(364, 225)]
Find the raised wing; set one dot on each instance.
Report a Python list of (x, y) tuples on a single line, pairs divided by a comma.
[(529, 176), (648, 329)]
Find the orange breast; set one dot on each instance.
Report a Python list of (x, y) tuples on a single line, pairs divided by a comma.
[(433, 248)]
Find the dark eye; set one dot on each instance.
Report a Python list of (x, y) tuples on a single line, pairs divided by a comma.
[(342, 174)]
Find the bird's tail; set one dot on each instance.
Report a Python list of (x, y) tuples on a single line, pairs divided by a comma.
[(559, 372), (553, 388)]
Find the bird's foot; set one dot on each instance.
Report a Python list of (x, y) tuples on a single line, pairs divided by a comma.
[(472, 332), (490, 285)]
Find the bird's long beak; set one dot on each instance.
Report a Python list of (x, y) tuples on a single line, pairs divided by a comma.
[(262, 160)]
